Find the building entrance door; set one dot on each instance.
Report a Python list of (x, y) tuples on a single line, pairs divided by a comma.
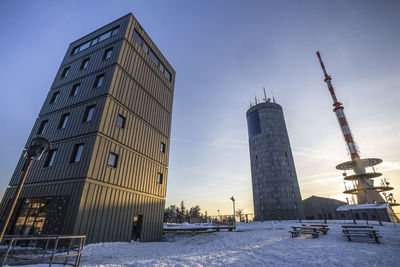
[(136, 227)]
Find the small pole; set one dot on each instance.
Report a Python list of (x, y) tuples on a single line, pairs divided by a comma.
[(234, 219), (352, 215), (379, 217), (54, 252)]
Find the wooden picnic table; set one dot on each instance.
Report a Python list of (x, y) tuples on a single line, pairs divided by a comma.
[(305, 230), (321, 227), (361, 232)]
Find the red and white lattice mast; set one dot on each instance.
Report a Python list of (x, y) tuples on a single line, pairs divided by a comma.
[(362, 184)]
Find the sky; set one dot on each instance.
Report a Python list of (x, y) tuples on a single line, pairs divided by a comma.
[(224, 53)]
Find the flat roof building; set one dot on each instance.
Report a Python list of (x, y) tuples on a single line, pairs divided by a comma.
[(108, 118)]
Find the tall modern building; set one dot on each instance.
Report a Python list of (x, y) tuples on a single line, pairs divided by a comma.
[(276, 193), (108, 118)]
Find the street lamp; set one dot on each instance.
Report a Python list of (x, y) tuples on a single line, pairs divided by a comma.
[(36, 149), (234, 220)]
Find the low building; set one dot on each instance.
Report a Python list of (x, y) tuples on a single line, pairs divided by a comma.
[(370, 212), (320, 208)]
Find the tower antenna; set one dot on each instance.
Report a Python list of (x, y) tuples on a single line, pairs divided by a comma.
[(338, 109), (362, 185), (265, 95)]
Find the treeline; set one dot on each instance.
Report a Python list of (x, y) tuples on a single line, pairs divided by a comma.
[(180, 214)]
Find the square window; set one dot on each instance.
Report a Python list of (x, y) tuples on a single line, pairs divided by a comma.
[(162, 147), (75, 50), (77, 153), (114, 31), (51, 155), (75, 89), (121, 121), (137, 37), (84, 46), (54, 97), (42, 126), (84, 63), (159, 178), (167, 75), (88, 115), (112, 160), (94, 41), (98, 81), (63, 121), (145, 48), (153, 57), (104, 36), (107, 53), (65, 72)]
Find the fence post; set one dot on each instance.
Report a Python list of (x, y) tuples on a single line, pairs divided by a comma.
[(352, 215), (54, 251), (69, 248), (78, 257), (46, 247), (379, 217), (8, 251)]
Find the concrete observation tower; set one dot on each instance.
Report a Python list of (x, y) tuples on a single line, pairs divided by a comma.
[(362, 187), (276, 192)]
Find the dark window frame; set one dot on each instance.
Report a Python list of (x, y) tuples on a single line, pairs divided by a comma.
[(75, 90), (42, 127), (84, 63), (50, 158), (89, 112), (77, 153), (138, 38), (108, 53), (113, 157), (99, 79), (163, 147), (54, 97), (94, 41), (123, 123), (65, 72), (160, 178), (62, 124)]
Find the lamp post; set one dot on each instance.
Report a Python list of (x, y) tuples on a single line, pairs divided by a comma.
[(234, 220), (36, 149)]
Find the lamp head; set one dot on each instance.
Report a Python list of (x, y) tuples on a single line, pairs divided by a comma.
[(38, 146)]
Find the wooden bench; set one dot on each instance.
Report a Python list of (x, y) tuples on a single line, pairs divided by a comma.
[(357, 226), (366, 231)]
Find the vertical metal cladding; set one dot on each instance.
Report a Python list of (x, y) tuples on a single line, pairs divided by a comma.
[(276, 192), (103, 200)]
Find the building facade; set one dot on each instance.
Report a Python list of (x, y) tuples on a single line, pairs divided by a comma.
[(276, 193), (108, 119)]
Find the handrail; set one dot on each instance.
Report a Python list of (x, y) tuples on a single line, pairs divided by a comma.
[(48, 254)]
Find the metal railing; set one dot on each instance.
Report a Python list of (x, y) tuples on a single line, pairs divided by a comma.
[(51, 249)]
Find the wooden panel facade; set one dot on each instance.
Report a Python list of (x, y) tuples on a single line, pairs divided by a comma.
[(104, 199)]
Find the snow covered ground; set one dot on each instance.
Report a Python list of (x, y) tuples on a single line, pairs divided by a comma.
[(252, 244)]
